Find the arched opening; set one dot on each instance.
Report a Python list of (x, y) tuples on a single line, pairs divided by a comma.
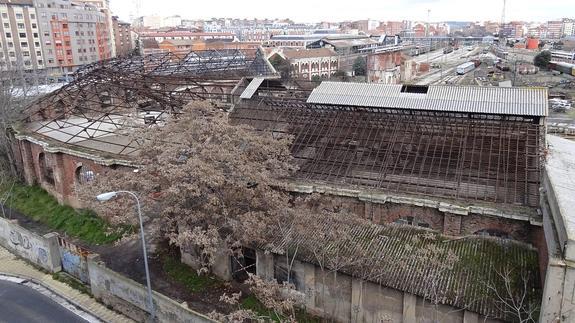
[(84, 175), (414, 221), (493, 233), (46, 170)]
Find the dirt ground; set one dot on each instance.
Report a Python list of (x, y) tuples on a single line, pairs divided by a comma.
[(127, 259)]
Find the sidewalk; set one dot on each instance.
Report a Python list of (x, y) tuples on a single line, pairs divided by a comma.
[(11, 265)]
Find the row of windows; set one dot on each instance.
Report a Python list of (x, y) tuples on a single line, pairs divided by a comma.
[(19, 16), (22, 44), (22, 35)]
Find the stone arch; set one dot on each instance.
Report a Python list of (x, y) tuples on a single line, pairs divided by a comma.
[(46, 170), (493, 233), (84, 174), (413, 221)]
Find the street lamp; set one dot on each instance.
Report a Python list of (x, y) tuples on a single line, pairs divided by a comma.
[(110, 195)]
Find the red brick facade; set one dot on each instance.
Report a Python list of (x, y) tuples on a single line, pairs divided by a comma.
[(57, 173)]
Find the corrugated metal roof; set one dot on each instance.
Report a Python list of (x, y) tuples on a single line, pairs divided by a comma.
[(252, 88), (408, 259), (472, 99)]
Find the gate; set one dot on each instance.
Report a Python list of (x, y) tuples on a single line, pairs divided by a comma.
[(74, 260)]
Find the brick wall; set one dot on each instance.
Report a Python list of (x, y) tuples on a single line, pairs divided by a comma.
[(447, 223), (64, 169)]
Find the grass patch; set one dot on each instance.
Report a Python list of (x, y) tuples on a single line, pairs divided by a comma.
[(36, 203), (186, 276), (72, 282), (253, 304)]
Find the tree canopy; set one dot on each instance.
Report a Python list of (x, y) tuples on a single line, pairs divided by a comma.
[(542, 59), (360, 66), (207, 182)]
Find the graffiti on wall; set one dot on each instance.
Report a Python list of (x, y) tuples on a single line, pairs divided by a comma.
[(74, 260), (30, 248)]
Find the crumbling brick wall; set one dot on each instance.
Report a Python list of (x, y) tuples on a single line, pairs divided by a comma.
[(64, 170)]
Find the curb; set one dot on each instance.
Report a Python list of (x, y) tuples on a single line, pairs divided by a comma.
[(24, 279)]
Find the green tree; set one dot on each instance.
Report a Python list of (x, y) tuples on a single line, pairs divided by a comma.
[(542, 59), (360, 66)]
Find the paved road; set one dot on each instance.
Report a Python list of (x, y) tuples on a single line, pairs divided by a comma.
[(22, 304)]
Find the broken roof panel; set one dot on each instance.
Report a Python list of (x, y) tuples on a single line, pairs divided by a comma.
[(457, 272), (468, 99)]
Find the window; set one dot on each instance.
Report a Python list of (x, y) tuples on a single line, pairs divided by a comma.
[(38, 53), (32, 16), (22, 35), (21, 25), (12, 54), (46, 171), (84, 174), (40, 62), (410, 220), (34, 26), (19, 16), (10, 44), (37, 44), (24, 44), (4, 15), (8, 35), (26, 53), (6, 25), (35, 35), (493, 233)]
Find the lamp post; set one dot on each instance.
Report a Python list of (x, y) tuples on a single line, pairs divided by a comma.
[(108, 196)]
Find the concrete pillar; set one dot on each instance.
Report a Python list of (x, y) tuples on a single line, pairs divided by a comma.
[(55, 262), (553, 291), (409, 302), (309, 285), (357, 314), (28, 163), (264, 265), (222, 267), (470, 317), (452, 224)]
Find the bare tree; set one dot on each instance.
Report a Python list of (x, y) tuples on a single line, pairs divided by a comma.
[(210, 184), (515, 295)]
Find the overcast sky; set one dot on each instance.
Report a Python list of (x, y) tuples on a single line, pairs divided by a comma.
[(339, 10)]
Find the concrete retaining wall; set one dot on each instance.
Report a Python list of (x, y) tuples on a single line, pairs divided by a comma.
[(131, 298), (40, 250), (343, 298)]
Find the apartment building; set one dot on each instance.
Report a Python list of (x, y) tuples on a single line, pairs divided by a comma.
[(73, 34), (20, 44), (122, 37), (554, 29)]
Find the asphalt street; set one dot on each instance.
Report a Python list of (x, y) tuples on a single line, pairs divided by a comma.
[(22, 304)]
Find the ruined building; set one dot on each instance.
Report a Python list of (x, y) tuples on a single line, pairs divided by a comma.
[(466, 165)]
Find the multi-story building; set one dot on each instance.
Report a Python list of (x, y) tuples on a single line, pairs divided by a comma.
[(394, 27), (172, 21), (20, 44), (122, 37), (554, 29), (568, 27), (154, 22), (307, 64), (73, 34)]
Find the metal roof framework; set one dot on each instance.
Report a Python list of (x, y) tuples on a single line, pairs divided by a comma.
[(470, 156), (107, 98)]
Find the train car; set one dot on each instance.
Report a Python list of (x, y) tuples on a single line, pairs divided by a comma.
[(562, 67), (465, 68), (447, 50)]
